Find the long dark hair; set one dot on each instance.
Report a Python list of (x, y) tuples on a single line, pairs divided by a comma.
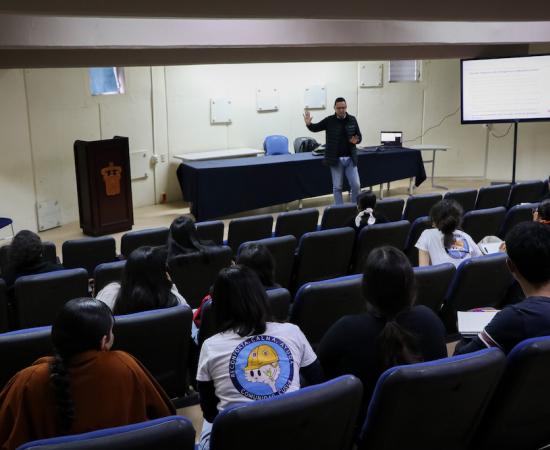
[(544, 211), (78, 327), (260, 260), (239, 301), (365, 200), (25, 250), (447, 217), (183, 238), (389, 288), (145, 284)]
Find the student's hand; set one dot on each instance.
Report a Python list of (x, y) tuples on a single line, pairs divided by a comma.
[(354, 139), (502, 247), (307, 117)]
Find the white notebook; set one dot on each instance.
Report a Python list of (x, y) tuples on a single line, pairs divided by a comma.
[(491, 247), (473, 322)]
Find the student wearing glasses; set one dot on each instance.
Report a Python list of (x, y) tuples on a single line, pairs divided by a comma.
[(445, 242)]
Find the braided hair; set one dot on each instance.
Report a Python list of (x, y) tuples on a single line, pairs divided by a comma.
[(80, 326)]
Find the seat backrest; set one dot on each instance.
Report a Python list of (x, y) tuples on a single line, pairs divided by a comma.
[(317, 306), (433, 405), (492, 196), (518, 414), (276, 144), (515, 215), (167, 433), (107, 273), (305, 144), (315, 417), (419, 205), (483, 222), (88, 253), (390, 208), (526, 192), (478, 282), (211, 231), (338, 216), (323, 254), (38, 298), (297, 223), (248, 229), (377, 235), (194, 274), (432, 283), (465, 197), (282, 249), (417, 227), (171, 330), (19, 349), (134, 239), (4, 321)]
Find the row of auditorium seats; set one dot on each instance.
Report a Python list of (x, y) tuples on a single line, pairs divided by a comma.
[(481, 401)]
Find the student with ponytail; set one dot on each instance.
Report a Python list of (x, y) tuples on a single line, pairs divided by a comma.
[(445, 242), (83, 387), (391, 332), (366, 212)]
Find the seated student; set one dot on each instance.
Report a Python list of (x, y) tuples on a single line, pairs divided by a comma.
[(145, 284), (260, 260), (366, 212), (83, 387), (528, 248), (391, 332), (183, 238), (445, 242), (542, 212), (250, 357), (25, 257)]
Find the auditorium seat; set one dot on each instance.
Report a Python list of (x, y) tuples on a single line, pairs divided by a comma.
[(211, 231), (465, 197), (4, 318), (419, 205), (153, 237), (320, 417), (390, 208), (38, 298), (322, 255), (19, 349), (432, 284), (432, 405), (515, 215), (296, 223), (483, 222), (318, 305), (193, 274), (160, 340), (492, 196), (248, 229), (526, 192), (518, 415), (166, 433), (338, 216), (377, 235), (417, 227), (107, 273), (88, 253)]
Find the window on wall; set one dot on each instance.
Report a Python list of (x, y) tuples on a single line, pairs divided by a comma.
[(404, 70), (106, 80)]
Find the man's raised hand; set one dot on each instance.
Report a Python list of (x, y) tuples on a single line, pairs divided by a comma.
[(307, 117)]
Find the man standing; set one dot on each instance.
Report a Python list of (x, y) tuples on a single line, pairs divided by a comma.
[(342, 134)]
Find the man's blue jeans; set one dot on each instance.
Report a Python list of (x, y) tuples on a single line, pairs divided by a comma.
[(345, 165)]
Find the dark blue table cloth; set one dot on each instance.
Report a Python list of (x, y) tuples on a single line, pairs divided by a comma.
[(220, 187)]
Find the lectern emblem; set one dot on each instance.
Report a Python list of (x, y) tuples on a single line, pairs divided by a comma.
[(111, 177)]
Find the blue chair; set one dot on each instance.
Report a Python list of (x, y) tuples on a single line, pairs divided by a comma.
[(296, 223), (166, 433), (276, 145), (7, 222), (248, 229), (526, 192), (107, 273), (338, 216), (465, 197), (515, 215), (211, 231), (390, 208), (316, 417), (419, 206), (19, 349), (519, 412), (433, 405), (88, 253), (417, 227), (317, 306), (134, 239), (432, 284), (493, 196), (483, 222)]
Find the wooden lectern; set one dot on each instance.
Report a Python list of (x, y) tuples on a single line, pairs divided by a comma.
[(104, 186)]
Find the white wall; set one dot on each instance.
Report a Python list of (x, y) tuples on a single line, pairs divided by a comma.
[(166, 111)]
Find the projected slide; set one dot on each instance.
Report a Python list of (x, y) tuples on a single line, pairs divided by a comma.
[(506, 89)]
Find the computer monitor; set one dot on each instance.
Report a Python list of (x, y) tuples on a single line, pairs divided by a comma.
[(391, 138)]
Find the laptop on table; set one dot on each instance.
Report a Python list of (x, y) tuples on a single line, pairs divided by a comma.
[(391, 138)]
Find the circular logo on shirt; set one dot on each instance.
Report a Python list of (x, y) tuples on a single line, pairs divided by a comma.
[(459, 248), (261, 367)]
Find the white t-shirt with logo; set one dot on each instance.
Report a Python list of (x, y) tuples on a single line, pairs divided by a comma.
[(250, 368), (462, 247)]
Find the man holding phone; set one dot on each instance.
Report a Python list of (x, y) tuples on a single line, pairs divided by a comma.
[(342, 135)]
